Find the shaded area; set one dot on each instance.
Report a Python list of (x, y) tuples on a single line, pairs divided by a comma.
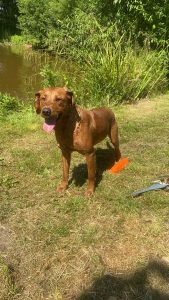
[(135, 286), (105, 159), (8, 18)]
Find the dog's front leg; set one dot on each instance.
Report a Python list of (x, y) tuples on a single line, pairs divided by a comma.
[(66, 156), (91, 167)]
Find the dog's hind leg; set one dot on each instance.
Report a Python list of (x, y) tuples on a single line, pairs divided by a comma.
[(91, 167), (115, 140)]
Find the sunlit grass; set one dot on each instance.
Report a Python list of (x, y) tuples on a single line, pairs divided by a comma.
[(65, 241)]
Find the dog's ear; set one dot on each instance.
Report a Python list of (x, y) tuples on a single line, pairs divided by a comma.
[(69, 94), (37, 102)]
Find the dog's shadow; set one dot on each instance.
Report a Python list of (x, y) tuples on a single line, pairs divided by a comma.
[(105, 159), (146, 283)]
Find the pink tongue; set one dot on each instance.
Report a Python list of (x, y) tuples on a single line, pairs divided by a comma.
[(48, 127)]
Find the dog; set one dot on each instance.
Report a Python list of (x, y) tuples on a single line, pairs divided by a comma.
[(76, 129)]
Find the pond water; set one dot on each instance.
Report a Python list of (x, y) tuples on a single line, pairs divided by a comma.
[(19, 70)]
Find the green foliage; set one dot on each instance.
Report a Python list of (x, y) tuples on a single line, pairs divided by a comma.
[(61, 24), (7, 285), (120, 45), (114, 74), (78, 36), (17, 39), (9, 105), (33, 20), (122, 74), (49, 77)]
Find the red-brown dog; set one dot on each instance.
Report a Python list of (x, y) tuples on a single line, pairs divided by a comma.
[(76, 129)]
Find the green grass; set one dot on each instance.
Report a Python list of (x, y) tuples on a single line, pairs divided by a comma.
[(114, 74), (59, 245), (7, 284)]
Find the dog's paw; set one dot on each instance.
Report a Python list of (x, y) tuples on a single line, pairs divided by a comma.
[(117, 155), (61, 188), (89, 193)]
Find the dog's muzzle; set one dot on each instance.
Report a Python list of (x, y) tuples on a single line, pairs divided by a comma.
[(46, 112)]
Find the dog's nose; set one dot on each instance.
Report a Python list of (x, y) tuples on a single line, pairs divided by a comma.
[(46, 112)]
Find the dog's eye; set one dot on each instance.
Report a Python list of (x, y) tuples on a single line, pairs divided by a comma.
[(58, 100), (43, 98)]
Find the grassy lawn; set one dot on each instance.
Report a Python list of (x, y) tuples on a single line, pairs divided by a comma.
[(66, 247)]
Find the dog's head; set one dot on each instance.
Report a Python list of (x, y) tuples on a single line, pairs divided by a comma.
[(52, 103)]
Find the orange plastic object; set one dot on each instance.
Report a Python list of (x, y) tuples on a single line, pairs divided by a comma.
[(120, 165)]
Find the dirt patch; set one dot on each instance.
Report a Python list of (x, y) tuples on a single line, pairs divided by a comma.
[(6, 237)]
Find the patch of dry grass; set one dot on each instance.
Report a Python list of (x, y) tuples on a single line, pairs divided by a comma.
[(69, 247)]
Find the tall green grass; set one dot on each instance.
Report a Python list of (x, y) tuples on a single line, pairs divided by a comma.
[(115, 73), (120, 74)]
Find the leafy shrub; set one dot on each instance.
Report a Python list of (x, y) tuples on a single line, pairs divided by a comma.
[(49, 77), (17, 39), (64, 24), (33, 20), (78, 36), (9, 105)]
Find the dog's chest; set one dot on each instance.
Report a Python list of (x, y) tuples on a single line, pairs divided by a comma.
[(78, 137), (73, 136)]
